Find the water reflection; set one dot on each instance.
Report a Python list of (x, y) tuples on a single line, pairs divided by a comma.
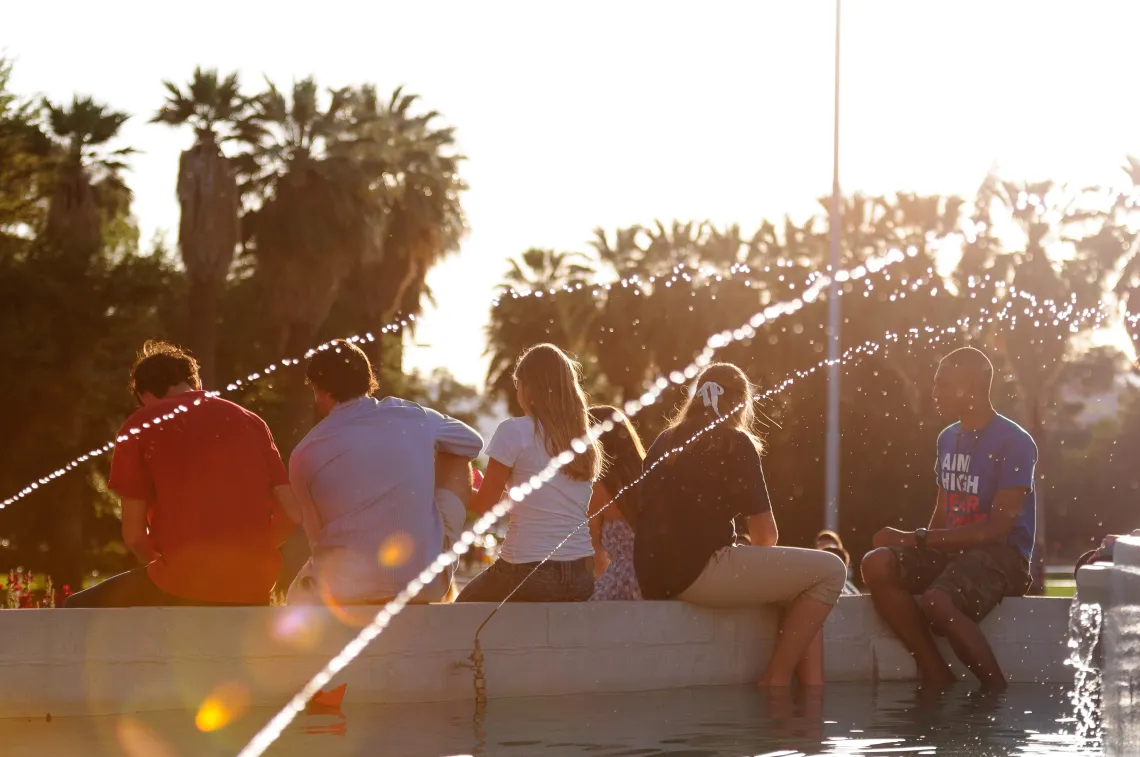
[(845, 719)]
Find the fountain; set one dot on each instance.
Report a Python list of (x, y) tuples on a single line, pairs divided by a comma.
[(1120, 597)]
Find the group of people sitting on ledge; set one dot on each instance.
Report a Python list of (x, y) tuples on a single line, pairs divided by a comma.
[(383, 487)]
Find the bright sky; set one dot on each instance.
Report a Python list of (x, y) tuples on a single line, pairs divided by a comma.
[(614, 113)]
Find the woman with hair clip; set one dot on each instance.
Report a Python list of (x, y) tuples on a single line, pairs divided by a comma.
[(611, 529), (686, 545)]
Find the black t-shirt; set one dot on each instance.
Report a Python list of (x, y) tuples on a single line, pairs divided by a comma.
[(688, 505)]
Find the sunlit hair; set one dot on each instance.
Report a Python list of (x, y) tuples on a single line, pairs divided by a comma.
[(735, 404), (829, 541), (551, 386), (161, 366), (342, 370), (624, 455)]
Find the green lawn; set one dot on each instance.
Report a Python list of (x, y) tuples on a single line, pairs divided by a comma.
[(1059, 589), (1059, 583)]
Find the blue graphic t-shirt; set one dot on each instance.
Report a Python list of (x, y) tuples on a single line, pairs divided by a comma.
[(973, 465)]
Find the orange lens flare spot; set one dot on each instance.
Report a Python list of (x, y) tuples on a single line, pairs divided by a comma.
[(225, 704), (396, 550)]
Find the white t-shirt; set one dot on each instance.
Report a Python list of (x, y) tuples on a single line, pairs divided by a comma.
[(548, 515)]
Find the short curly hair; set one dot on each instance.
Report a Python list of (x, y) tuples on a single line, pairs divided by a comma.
[(342, 370), (160, 366)]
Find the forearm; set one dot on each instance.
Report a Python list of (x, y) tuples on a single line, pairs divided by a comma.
[(482, 501), (453, 473), (762, 530), (968, 536), (601, 561), (136, 531), (492, 489), (281, 526), (142, 547)]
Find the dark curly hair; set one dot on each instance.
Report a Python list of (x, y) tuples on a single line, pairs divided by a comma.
[(341, 369), (160, 366)]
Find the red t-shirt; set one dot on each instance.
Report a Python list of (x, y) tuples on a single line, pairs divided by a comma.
[(206, 470)]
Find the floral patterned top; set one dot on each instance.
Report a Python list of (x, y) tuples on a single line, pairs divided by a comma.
[(619, 581)]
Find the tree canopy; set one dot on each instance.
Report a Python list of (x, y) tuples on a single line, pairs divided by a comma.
[(311, 212)]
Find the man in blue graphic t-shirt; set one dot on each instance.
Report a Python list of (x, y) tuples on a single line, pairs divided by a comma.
[(977, 547)]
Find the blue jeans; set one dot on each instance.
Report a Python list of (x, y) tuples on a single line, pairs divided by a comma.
[(554, 581)]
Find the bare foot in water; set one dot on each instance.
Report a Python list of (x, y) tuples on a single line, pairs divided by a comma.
[(941, 682), (767, 683), (993, 685)]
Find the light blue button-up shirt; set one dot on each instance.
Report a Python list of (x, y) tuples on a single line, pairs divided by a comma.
[(365, 479)]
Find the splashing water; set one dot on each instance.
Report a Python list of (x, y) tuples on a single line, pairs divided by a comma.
[(273, 729), (852, 354), (816, 284), (812, 286), (1085, 622), (264, 738)]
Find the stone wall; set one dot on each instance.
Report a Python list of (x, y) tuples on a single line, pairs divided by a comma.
[(101, 662)]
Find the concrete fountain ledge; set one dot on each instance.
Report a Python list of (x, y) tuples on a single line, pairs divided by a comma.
[(1117, 591), (104, 662)]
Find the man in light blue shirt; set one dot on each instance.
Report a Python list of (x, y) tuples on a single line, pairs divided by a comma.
[(370, 490)]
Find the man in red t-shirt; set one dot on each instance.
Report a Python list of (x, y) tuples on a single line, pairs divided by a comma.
[(205, 497)]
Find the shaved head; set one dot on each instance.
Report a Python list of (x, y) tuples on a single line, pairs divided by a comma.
[(974, 366), (963, 382)]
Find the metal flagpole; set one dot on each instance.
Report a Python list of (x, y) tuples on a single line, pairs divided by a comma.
[(834, 318)]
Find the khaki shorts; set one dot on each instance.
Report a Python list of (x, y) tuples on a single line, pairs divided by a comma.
[(976, 579)]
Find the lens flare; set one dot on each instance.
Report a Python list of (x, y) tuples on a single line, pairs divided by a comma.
[(300, 627), (225, 704), (349, 615), (274, 728), (137, 740), (396, 550)]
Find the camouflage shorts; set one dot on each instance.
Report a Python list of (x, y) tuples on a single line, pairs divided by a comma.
[(976, 579)]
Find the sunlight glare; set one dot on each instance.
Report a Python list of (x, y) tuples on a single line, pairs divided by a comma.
[(225, 704)]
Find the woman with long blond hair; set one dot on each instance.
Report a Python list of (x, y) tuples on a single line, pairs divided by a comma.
[(551, 396), (708, 475)]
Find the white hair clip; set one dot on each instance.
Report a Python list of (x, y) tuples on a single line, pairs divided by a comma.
[(709, 392)]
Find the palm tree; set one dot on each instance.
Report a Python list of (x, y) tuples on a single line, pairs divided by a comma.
[(517, 324), (24, 167), (208, 233), (419, 188), (1034, 348), (87, 221), (620, 342), (89, 191), (314, 216), (680, 243), (625, 253), (922, 223), (1120, 237)]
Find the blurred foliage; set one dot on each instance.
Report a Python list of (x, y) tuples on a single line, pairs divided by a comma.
[(306, 214), (1059, 244), (344, 200)]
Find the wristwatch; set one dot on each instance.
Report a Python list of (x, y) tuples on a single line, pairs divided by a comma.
[(920, 538)]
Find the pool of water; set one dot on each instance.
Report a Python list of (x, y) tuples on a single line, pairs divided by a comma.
[(849, 719)]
